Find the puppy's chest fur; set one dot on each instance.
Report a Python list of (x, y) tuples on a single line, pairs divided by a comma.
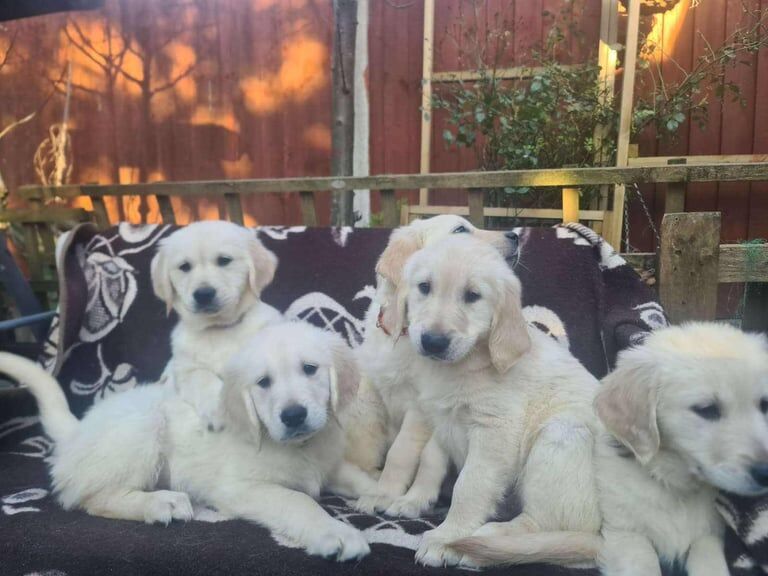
[(672, 517), (212, 348)]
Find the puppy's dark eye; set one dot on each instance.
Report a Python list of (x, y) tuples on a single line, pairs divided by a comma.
[(708, 411), (265, 382), (185, 267), (471, 296), (764, 405), (424, 288), (309, 369), (460, 229), (223, 261)]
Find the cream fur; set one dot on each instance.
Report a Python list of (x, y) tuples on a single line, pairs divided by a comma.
[(388, 423), (145, 454), (519, 414), (204, 339)]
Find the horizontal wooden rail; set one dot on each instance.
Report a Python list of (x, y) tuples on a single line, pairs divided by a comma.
[(572, 177), (47, 214), (541, 213), (698, 159)]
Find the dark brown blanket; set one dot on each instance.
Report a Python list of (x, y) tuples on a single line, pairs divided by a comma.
[(113, 334)]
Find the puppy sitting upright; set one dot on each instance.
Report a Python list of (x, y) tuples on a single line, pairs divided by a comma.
[(212, 274), (686, 416), (141, 454)]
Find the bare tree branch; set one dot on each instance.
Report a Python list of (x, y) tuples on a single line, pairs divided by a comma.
[(7, 54), (172, 83)]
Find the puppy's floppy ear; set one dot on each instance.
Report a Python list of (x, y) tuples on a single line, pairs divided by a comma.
[(345, 375), (402, 243), (238, 401), (263, 264), (509, 338), (393, 316), (626, 404), (161, 278)]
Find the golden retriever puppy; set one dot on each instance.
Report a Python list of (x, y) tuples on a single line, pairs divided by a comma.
[(509, 405), (685, 414), (388, 422), (144, 454), (212, 274)]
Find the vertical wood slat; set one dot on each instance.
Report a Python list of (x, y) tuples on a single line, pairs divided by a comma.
[(389, 215), (166, 209), (476, 201), (675, 200), (570, 205), (688, 265), (426, 95), (234, 208), (100, 213), (308, 213)]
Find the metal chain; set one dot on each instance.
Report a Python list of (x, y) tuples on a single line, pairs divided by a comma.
[(648, 216)]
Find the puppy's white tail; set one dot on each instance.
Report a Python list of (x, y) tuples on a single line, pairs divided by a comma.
[(561, 548), (55, 415)]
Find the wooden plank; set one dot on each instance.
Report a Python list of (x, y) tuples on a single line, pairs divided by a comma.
[(675, 198), (100, 214), (540, 213), (688, 265), (166, 209), (308, 213), (650, 161), (516, 72), (573, 177), (426, 95), (743, 263), (32, 252), (475, 203), (389, 215), (570, 205), (59, 214), (613, 232), (234, 208), (405, 214), (755, 317)]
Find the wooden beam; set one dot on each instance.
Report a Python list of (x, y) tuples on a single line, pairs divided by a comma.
[(308, 213), (570, 205), (650, 161), (55, 214), (572, 177), (100, 214), (515, 73), (389, 215), (743, 263), (166, 209), (475, 203), (613, 231), (540, 213), (426, 95), (675, 197), (234, 209), (688, 265)]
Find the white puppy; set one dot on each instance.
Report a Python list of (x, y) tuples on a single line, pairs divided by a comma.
[(389, 422), (512, 408), (685, 414), (212, 274), (144, 454)]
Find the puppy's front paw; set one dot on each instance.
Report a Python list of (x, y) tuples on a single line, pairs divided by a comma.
[(409, 506), (340, 542), (373, 503), (433, 549), (165, 505), (212, 417)]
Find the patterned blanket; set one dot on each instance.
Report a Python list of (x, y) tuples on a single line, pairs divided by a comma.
[(113, 334)]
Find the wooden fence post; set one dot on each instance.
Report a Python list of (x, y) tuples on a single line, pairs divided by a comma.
[(675, 200), (308, 213), (688, 265), (234, 208), (389, 215), (570, 205), (166, 209), (476, 207)]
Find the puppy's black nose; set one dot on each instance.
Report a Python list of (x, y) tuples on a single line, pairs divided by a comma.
[(434, 344), (294, 415), (759, 473), (204, 296)]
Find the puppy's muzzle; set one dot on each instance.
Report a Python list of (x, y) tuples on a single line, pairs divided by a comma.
[(759, 473), (435, 344), (205, 299), (293, 416)]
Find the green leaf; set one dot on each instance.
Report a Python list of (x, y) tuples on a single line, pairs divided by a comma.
[(536, 86), (672, 125), (448, 136), (680, 117)]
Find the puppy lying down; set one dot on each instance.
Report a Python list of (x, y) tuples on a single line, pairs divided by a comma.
[(146, 455), (685, 417)]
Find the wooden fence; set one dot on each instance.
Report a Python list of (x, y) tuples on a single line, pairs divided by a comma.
[(690, 264)]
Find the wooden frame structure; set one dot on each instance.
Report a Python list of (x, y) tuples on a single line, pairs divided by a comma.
[(691, 260)]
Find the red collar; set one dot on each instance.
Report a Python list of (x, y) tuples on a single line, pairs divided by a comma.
[(380, 324)]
